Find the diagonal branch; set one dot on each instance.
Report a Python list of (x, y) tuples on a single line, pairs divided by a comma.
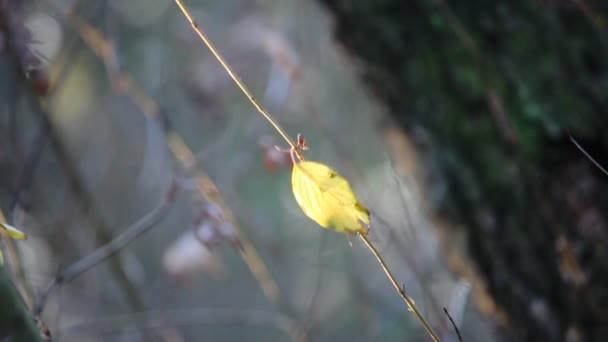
[(196, 27), (453, 325), (591, 159), (400, 288), (144, 224)]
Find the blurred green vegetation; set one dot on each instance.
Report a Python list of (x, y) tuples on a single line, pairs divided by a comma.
[(491, 92)]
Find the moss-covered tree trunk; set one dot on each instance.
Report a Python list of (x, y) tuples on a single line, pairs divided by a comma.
[(492, 91)]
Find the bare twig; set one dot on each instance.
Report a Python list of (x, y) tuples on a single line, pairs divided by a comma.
[(580, 148), (196, 27), (407, 255), (453, 324), (400, 288), (138, 228)]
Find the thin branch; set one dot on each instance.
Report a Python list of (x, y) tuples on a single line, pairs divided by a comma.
[(400, 288), (453, 324), (580, 148), (407, 255), (138, 228), (235, 78)]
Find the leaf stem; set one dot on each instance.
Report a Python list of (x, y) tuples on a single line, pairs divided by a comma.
[(235, 77), (400, 289)]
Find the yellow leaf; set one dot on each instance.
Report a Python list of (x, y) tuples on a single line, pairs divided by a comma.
[(327, 198), (13, 232), (1, 259)]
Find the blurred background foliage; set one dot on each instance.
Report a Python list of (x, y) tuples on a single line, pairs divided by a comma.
[(492, 94), (112, 111)]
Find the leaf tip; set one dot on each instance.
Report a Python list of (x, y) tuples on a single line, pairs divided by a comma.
[(13, 232)]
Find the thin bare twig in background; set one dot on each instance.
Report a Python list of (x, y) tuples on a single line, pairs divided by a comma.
[(453, 324), (408, 256), (141, 226), (400, 288), (236, 79), (580, 148)]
